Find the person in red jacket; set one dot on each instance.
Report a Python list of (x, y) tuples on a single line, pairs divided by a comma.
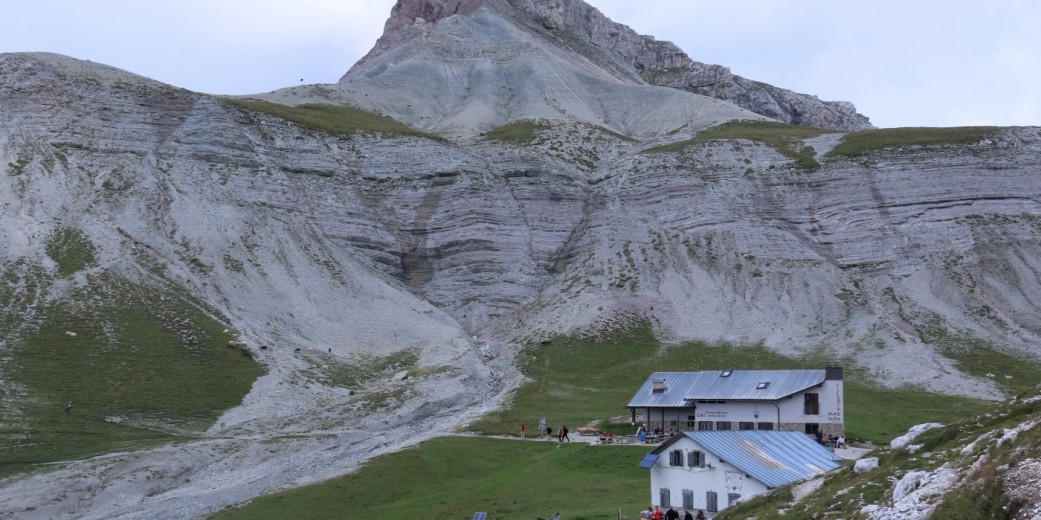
[(657, 514)]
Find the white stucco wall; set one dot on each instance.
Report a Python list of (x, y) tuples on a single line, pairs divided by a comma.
[(832, 406), (787, 410), (722, 478)]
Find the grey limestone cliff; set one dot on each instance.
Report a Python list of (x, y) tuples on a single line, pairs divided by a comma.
[(890, 251)]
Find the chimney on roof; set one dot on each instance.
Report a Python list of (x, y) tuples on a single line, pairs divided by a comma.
[(658, 386), (833, 373)]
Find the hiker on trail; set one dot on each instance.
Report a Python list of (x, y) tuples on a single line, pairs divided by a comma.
[(701, 515), (672, 515), (549, 431), (688, 516), (565, 437), (820, 437), (656, 515), (68, 407), (523, 431), (647, 514)]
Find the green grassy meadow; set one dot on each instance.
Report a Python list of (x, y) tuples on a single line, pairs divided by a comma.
[(141, 364), (453, 477), (578, 381), (575, 381)]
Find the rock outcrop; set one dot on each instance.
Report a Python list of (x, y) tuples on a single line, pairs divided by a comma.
[(662, 63)]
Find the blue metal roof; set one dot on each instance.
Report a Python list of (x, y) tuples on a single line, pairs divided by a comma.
[(774, 458), (740, 385)]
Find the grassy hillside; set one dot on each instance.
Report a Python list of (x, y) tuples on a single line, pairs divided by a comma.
[(576, 381), (140, 363), (860, 143), (518, 132), (786, 139), (453, 477), (331, 119), (983, 466)]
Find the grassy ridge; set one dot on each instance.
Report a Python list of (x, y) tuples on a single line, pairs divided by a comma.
[(860, 143), (144, 365), (786, 139), (526, 131), (519, 132), (577, 381), (452, 477), (332, 119), (844, 493)]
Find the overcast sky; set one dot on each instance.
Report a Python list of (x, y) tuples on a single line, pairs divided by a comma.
[(902, 63)]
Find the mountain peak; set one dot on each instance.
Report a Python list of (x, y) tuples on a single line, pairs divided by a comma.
[(579, 31)]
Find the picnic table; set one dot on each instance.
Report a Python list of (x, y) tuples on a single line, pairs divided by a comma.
[(654, 439)]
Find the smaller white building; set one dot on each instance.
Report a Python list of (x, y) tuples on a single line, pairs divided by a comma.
[(711, 470)]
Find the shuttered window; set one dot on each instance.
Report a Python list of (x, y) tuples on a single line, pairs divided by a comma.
[(711, 502), (676, 458), (688, 499), (665, 497), (695, 459)]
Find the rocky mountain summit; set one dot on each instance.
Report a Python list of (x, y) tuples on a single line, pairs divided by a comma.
[(492, 174), (462, 67), (584, 36)]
